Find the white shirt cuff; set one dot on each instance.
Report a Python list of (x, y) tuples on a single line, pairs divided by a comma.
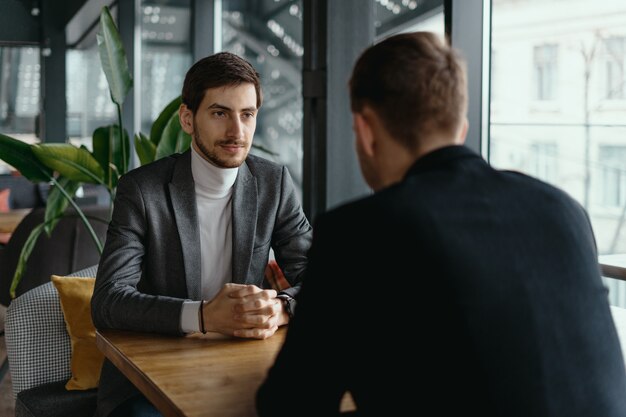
[(189, 322)]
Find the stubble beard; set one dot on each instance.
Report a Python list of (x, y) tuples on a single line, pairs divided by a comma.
[(213, 157)]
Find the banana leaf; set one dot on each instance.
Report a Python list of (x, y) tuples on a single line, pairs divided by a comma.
[(71, 162), (108, 152), (146, 150), (57, 203), (113, 58), (28, 247), (174, 139), (164, 117), (20, 155)]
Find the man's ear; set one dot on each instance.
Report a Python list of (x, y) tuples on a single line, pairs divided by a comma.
[(186, 118), (463, 132), (364, 133)]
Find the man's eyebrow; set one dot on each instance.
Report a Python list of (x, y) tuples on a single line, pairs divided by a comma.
[(226, 108)]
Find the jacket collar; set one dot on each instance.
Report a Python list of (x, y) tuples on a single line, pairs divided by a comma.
[(440, 157)]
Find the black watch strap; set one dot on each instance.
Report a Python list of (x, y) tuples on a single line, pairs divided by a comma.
[(289, 303)]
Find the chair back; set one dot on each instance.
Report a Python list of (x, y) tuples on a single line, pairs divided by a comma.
[(69, 248), (38, 345)]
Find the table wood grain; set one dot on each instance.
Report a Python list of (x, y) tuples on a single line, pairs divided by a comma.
[(197, 375)]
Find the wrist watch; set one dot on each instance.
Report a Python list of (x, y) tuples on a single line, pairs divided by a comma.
[(289, 303)]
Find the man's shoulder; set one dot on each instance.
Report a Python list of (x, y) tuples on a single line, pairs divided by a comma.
[(257, 164), (157, 169)]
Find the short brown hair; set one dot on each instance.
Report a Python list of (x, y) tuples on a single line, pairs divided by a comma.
[(415, 82), (218, 70)]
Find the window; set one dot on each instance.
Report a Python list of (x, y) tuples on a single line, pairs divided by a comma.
[(615, 51), (613, 175), (269, 35), (89, 104), (165, 55), (545, 62), (20, 89), (578, 142), (544, 161)]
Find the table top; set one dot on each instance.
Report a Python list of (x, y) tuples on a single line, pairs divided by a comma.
[(10, 219), (196, 375), (613, 266)]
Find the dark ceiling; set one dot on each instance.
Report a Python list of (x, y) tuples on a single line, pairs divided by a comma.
[(59, 12)]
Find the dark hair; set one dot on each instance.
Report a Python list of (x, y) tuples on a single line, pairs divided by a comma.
[(415, 82), (218, 70)]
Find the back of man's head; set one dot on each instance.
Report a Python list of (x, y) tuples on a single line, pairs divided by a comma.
[(223, 69), (415, 82)]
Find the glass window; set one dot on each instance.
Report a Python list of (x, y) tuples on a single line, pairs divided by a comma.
[(398, 16), (269, 35), (576, 139), (615, 56), (545, 63), (89, 104), (543, 161), (612, 169), (165, 55), (20, 89)]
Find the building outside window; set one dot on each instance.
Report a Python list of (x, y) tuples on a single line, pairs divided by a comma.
[(613, 175), (546, 67), (615, 53), (543, 161), (563, 83)]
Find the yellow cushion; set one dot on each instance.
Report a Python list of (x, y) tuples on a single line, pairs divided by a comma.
[(75, 296)]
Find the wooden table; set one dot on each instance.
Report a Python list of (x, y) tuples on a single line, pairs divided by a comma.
[(9, 221), (613, 266), (197, 375)]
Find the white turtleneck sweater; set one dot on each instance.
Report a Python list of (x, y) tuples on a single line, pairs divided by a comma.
[(214, 191)]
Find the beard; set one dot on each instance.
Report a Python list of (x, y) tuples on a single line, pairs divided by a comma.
[(214, 158)]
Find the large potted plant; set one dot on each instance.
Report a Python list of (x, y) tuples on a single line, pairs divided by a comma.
[(67, 167)]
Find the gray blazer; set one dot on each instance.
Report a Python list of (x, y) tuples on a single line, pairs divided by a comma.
[(151, 259)]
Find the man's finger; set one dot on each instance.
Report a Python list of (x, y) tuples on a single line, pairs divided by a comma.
[(244, 290), (255, 333)]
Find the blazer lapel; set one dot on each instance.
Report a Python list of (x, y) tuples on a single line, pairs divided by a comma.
[(183, 195), (244, 222)]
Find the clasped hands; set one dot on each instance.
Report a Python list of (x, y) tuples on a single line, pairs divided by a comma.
[(245, 311)]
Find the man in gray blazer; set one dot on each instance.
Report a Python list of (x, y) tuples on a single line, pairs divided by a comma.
[(191, 233)]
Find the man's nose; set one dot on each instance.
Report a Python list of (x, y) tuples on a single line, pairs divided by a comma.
[(235, 129)]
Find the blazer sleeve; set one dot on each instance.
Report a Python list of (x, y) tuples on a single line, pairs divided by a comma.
[(116, 302), (292, 235)]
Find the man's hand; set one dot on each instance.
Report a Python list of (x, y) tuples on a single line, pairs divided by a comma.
[(245, 311)]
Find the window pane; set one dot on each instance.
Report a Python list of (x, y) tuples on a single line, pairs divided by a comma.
[(165, 55), (397, 16), (89, 104), (19, 94), (269, 35), (557, 108)]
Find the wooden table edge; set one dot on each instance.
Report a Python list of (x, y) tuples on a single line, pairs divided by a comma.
[(151, 391)]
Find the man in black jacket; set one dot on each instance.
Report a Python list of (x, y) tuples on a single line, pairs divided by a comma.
[(481, 287)]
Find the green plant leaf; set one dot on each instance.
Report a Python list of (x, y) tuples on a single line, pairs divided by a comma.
[(71, 162), (28, 247), (146, 150), (171, 139), (166, 114), (20, 155), (110, 157), (113, 58), (57, 203)]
